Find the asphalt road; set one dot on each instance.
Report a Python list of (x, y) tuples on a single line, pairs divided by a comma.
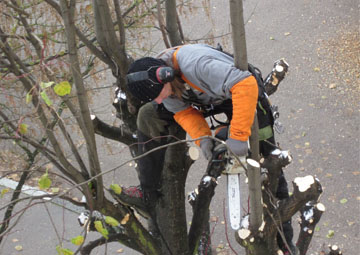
[(319, 106)]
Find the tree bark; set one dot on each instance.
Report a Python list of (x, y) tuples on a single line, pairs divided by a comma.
[(310, 216), (170, 212), (171, 23), (238, 34), (88, 130)]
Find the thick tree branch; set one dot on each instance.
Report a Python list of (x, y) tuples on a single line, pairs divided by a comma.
[(162, 26), (310, 216), (88, 131), (206, 190), (256, 215), (172, 24), (238, 34), (119, 237), (111, 132)]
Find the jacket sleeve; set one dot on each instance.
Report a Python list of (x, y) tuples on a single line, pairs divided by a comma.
[(244, 99), (193, 122)]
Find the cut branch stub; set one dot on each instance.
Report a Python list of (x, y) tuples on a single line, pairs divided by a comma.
[(310, 216), (206, 190), (244, 233), (111, 132), (274, 164), (305, 189), (307, 185), (334, 250)]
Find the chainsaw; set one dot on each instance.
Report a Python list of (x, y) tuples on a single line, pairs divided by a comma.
[(223, 162)]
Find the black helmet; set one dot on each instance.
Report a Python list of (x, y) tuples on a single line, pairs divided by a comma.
[(142, 78)]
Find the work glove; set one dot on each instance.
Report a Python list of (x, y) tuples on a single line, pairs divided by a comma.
[(207, 146), (240, 148)]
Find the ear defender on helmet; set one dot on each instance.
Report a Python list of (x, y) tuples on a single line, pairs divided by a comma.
[(164, 74), (137, 76)]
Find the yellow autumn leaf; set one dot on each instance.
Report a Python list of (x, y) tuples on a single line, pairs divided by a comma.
[(3, 192), (18, 247), (116, 188), (99, 227), (44, 181), (63, 88), (23, 128), (125, 219), (77, 240)]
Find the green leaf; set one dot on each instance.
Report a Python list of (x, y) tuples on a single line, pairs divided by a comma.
[(63, 88), (58, 249), (343, 201), (45, 85), (330, 234), (111, 221), (99, 227), (62, 251), (44, 181), (317, 229), (45, 98), (77, 240), (3, 192), (67, 251), (116, 188), (28, 97), (23, 129)]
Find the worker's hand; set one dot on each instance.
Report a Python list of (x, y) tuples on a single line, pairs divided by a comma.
[(240, 148), (207, 146)]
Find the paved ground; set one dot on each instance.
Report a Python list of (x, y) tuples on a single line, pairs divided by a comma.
[(319, 105)]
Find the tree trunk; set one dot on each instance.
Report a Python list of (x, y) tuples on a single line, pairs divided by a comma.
[(170, 212), (238, 34)]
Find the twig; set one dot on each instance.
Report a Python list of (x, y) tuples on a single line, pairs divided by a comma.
[(52, 223), (226, 231)]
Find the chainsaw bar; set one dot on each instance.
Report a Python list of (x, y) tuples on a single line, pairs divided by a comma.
[(233, 170), (233, 186)]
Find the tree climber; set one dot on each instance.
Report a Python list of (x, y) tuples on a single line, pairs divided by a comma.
[(185, 84)]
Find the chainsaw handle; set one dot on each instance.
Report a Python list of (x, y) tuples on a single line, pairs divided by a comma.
[(219, 150), (218, 161)]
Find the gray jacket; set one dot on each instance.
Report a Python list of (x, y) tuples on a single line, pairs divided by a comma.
[(209, 69)]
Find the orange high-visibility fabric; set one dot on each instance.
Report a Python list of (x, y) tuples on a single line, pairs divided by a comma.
[(176, 66), (193, 122), (244, 100)]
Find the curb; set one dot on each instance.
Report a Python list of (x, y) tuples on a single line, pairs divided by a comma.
[(35, 192)]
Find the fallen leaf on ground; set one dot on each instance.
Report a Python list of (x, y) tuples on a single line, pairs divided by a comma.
[(18, 248)]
